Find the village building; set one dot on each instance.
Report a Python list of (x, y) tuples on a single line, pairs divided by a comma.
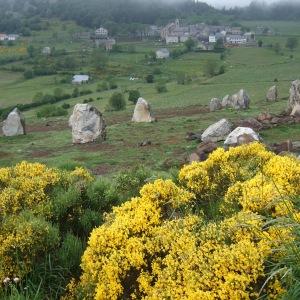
[(236, 39), (46, 51), (80, 79), (172, 39), (101, 32), (162, 53), (212, 39)]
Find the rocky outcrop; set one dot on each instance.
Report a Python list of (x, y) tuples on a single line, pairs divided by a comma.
[(272, 94), (241, 135), (240, 100), (294, 95), (215, 104), (14, 124), (142, 112), (217, 131), (87, 124)]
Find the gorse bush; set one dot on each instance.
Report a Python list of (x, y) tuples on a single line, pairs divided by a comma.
[(167, 243)]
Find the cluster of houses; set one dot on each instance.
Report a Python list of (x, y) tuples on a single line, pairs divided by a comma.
[(100, 38), (206, 35), (8, 37)]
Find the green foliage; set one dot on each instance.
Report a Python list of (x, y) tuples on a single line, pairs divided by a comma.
[(161, 88), (150, 78), (75, 92), (133, 96), (260, 43), (103, 86), (117, 101), (183, 78), (66, 106), (292, 43), (189, 44), (99, 60), (112, 84), (51, 111), (210, 68), (28, 74)]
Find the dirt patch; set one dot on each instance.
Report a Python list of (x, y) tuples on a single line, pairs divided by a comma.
[(102, 169), (95, 147), (40, 153), (5, 154)]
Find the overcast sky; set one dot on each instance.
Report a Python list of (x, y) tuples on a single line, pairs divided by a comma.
[(230, 3)]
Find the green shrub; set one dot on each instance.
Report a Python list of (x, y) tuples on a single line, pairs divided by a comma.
[(133, 96), (51, 111), (161, 88), (66, 106), (75, 92), (157, 71), (103, 86), (113, 85), (149, 78), (28, 74), (117, 101)]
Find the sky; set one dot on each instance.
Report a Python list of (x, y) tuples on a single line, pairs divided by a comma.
[(232, 3)]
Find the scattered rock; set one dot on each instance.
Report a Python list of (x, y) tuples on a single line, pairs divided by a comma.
[(194, 157), (272, 94), (87, 124), (142, 112), (191, 136), (294, 94), (252, 123), (241, 135), (145, 143), (202, 152), (14, 124), (217, 131), (286, 146), (296, 110), (264, 117), (215, 104), (240, 100), (226, 101)]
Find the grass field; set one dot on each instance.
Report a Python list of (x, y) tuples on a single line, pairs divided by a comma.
[(179, 111)]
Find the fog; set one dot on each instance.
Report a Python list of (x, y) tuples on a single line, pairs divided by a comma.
[(233, 3)]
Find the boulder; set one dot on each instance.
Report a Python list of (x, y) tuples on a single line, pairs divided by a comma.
[(294, 94), (14, 124), (241, 135), (215, 104), (296, 110), (202, 152), (264, 117), (272, 94), (87, 124), (240, 100), (142, 112), (226, 101), (217, 131)]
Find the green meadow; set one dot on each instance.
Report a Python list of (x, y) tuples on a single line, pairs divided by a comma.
[(180, 110)]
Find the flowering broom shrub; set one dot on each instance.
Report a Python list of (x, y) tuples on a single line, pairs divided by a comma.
[(166, 244)]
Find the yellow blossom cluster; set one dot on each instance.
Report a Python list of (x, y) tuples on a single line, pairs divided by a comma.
[(158, 245)]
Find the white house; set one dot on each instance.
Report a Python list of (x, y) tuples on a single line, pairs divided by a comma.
[(101, 32), (12, 37), (172, 39), (80, 79), (236, 39), (46, 51), (212, 39), (3, 37), (162, 53)]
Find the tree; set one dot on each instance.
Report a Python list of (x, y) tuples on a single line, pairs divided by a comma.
[(189, 44), (149, 78), (117, 101), (260, 43), (277, 48), (31, 51), (292, 43), (134, 95), (219, 44), (210, 68)]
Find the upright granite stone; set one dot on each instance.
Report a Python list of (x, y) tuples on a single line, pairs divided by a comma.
[(272, 94), (240, 100), (14, 124), (294, 94), (217, 131), (215, 104), (87, 124), (241, 135), (142, 112), (226, 101)]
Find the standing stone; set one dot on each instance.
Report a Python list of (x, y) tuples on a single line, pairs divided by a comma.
[(294, 94), (241, 135), (226, 101), (240, 100), (215, 104), (296, 110), (14, 124), (272, 94), (142, 112), (217, 131), (87, 124)]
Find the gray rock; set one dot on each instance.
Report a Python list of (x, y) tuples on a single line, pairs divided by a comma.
[(14, 124), (217, 131), (142, 112), (241, 135), (294, 94), (87, 124), (240, 100), (296, 110), (226, 101), (215, 104), (272, 94)]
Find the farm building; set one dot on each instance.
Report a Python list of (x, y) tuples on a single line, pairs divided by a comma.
[(162, 53), (80, 79), (46, 51), (101, 32)]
